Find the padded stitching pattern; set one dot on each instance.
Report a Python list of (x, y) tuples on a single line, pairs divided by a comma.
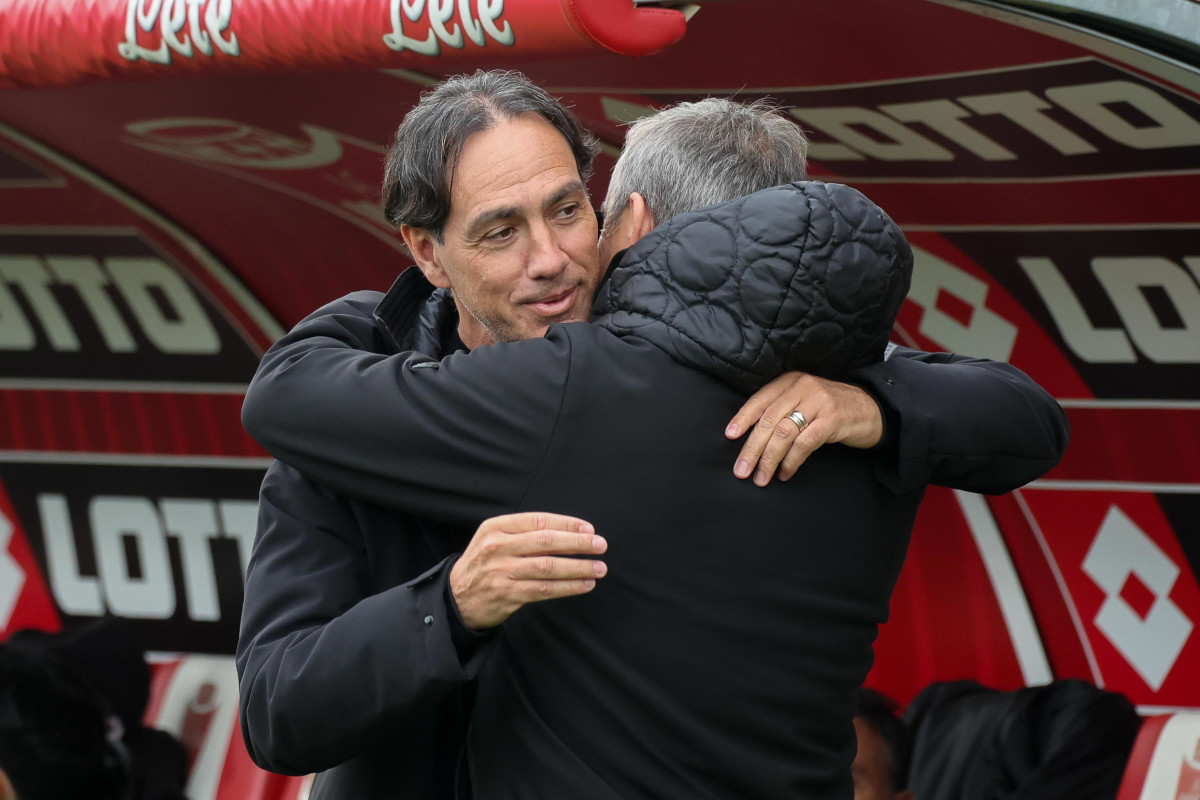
[(807, 276)]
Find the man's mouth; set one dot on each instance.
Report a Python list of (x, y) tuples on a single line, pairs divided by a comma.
[(555, 305)]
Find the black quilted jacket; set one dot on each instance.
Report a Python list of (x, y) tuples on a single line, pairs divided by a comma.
[(801, 277)]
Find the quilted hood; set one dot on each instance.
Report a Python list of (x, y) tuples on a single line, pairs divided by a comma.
[(807, 276)]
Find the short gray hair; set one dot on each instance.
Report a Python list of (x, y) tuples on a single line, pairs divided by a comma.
[(421, 161), (693, 155)]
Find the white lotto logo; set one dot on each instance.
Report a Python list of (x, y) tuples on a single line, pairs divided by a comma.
[(1151, 643), (891, 139), (1123, 280), (148, 590), (12, 577), (477, 26), (165, 307), (182, 28)]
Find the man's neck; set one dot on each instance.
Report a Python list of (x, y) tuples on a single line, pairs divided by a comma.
[(470, 330), (472, 333)]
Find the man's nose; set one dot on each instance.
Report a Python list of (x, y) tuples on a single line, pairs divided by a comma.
[(547, 259)]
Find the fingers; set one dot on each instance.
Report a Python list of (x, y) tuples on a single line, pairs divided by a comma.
[(815, 434), (535, 521), (770, 439), (835, 412), (554, 543), (752, 411), (552, 568), (789, 447), (539, 532), (538, 591), (523, 558)]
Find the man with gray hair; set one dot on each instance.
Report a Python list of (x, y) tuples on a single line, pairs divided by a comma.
[(514, 209), (697, 154)]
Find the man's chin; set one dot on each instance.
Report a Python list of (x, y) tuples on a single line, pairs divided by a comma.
[(537, 330), (574, 315)]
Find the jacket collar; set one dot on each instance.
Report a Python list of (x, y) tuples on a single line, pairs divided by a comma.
[(416, 315)]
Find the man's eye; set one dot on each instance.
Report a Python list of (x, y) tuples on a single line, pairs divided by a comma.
[(568, 211), (500, 235)]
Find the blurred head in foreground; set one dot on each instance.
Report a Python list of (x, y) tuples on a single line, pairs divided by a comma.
[(54, 742), (881, 767)]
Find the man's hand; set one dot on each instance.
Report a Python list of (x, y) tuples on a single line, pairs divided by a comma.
[(835, 412), (519, 558)]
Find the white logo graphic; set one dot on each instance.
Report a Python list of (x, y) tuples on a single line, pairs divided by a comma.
[(120, 522), (1150, 643), (236, 144), (180, 29), (162, 303), (890, 139), (477, 27), (986, 334), (1124, 280), (12, 577)]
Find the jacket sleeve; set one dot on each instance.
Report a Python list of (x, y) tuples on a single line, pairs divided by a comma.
[(966, 423), (455, 441), (326, 668)]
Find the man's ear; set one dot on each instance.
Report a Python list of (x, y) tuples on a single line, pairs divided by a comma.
[(641, 221), (424, 251)]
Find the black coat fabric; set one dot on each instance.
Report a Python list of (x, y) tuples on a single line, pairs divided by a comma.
[(1067, 740), (703, 626), (347, 658)]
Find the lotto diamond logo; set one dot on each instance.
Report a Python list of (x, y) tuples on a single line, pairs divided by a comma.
[(955, 313), (12, 577), (1137, 615)]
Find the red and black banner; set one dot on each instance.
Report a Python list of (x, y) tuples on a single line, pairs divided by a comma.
[(157, 235)]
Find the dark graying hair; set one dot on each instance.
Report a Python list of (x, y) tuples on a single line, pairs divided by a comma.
[(693, 155), (420, 164)]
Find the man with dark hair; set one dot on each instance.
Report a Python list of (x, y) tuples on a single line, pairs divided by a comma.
[(362, 629), (54, 739), (425, 150), (507, 298), (369, 669), (880, 768)]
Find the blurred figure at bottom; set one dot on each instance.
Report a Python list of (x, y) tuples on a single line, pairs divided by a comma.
[(880, 768), (1066, 740), (54, 737), (103, 658)]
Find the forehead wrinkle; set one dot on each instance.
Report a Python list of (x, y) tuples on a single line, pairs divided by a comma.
[(506, 162), (510, 171), (488, 216)]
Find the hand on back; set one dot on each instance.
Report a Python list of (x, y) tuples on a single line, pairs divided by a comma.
[(831, 411)]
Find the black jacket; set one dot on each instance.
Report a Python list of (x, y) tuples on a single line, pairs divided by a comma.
[(605, 422), (340, 670)]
